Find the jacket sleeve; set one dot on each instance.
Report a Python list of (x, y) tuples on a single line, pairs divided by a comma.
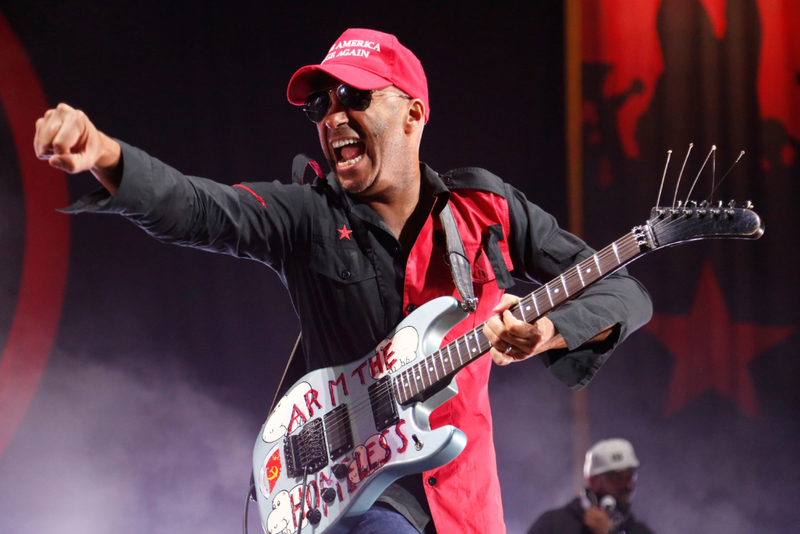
[(258, 221), (541, 251)]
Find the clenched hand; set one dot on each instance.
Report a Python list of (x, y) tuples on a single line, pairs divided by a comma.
[(68, 140)]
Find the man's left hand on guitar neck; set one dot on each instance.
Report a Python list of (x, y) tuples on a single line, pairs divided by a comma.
[(514, 340)]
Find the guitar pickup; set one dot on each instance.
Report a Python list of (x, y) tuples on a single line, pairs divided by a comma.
[(384, 407), (338, 431), (305, 451)]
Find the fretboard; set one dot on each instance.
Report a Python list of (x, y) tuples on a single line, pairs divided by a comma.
[(448, 360)]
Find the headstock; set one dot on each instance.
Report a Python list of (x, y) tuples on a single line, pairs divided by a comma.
[(691, 221)]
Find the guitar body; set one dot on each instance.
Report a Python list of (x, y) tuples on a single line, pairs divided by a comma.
[(345, 423)]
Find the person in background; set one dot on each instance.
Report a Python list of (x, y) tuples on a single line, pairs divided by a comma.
[(604, 506)]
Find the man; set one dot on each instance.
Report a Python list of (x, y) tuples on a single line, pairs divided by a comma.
[(605, 505), (361, 248)]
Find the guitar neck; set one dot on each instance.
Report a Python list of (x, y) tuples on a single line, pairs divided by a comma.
[(447, 361)]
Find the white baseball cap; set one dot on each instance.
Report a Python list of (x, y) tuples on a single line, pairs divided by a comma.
[(609, 455)]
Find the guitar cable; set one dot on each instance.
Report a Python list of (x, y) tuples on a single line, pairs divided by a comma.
[(251, 496), (303, 496), (251, 491)]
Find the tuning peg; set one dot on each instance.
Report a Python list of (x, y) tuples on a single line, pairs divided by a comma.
[(719, 203), (680, 204), (704, 204), (747, 205), (691, 204), (732, 204)]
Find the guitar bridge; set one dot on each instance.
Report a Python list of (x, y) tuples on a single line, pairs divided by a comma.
[(305, 451), (384, 407)]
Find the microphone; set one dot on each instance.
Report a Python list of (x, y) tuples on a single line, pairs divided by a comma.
[(608, 504)]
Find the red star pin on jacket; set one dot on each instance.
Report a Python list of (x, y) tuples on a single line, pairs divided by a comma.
[(344, 232)]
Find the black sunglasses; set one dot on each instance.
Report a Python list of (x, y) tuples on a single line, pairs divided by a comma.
[(319, 102)]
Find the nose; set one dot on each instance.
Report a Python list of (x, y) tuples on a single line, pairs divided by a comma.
[(337, 113)]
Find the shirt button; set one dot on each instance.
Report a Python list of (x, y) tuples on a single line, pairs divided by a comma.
[(410, 308), (431, 481), (345, 275)]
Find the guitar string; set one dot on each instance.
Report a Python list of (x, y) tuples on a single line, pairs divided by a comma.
[(625, 245), (430, 362), (416, 370)]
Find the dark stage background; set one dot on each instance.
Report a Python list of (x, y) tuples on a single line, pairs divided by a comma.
[(137, 408)]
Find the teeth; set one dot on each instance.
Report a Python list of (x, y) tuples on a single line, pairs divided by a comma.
[(343, 142), (350, 161)]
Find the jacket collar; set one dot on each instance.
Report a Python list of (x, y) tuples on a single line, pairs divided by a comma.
[(432, 186)]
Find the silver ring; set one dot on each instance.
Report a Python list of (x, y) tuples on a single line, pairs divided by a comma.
[(509, 349)]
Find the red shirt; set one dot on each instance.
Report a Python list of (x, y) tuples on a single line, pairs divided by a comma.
[(464, 495)]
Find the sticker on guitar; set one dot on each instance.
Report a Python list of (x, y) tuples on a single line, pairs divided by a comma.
[(366, 459)]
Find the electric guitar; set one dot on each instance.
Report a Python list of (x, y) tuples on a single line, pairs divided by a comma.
[(341, 435)]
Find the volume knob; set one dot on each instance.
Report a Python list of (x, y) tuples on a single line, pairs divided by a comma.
[(314, 516), (329, 495), (340, 471)]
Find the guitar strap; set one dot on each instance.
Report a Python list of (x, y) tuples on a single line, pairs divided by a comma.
[(457, 259)]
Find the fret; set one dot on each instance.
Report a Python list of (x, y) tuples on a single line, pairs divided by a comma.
[(549, 296), (431, 379), (433, 366), (458, 354), (450, 353), (406, 384), (418, 375), (522, 310), (580, 274), (426, 375), (467, 350), (473, 351), (439, 364), (616, 253), (458, 350), (409, 382), (564, 283), (447, 361), (414, 382), (484, 343), (597, 262), (536, 304), (399, 392)]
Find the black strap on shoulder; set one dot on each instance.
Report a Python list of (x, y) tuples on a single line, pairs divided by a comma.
[(457, 258), (300, 164)]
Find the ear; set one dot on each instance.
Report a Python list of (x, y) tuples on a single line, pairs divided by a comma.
[(415, 120)]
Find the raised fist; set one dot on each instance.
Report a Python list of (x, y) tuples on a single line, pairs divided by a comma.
[(68, 140)]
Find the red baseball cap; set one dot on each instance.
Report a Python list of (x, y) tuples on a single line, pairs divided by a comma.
[(365, 59)]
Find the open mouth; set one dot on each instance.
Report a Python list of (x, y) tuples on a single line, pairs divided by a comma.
[(348, 151)]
